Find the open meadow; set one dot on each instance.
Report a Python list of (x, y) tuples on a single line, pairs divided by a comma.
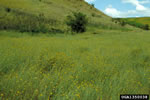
[(89, 66), (69, 50)]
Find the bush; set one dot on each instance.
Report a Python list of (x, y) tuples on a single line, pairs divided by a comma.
[(146, 27), (93, 14), (122, 23), (7, 9), (93, 5), (77, 22)]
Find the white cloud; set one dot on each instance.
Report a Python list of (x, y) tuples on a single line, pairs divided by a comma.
[(130, 13), (112, 11), (144, 2), (140, 9), (137, 3)]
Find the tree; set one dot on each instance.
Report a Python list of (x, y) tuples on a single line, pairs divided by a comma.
[(146, 27), (93, 5), (122, 23), (77, 22)]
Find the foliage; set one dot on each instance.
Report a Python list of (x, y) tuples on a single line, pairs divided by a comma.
[(118, 20), (122, 23), (139, 25), (133, 23), (26, 22), (77, 22), (93, 5), (93, 14), (7, 9), (146, 27), (141, 20)]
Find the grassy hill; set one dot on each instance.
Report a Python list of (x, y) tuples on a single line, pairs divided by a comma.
[(142, 20), (29, 15), (107, 60)]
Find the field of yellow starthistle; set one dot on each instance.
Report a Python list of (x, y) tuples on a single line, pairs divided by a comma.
[(74, 68)]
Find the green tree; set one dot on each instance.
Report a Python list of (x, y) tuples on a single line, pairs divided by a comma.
[(93, 5), (122, 23), (146, 27), (78, 22)]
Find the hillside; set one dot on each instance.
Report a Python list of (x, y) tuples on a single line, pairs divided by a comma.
[(55, 9), (28, 14), (142, 20)]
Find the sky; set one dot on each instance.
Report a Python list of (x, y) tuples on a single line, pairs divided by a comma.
[(123, 8)]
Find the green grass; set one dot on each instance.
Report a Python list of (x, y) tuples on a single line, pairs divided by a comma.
[(74, 67), (100, 64), (141, 20), (54, 9), (50, 15)]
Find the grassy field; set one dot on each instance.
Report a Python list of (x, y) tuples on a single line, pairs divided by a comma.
[(74, 67), (41, 59)]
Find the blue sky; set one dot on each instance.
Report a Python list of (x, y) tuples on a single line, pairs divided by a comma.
[(123, 8)]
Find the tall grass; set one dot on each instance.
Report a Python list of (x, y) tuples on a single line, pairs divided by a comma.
[(79, 67)]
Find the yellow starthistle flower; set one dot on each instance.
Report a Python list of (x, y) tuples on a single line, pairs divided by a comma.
[(2, 94)]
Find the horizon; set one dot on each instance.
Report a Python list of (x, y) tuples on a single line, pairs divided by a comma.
[(123, 8)]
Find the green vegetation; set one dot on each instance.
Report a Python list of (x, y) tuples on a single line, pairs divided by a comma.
[(80, 67), (77, 22), (139, 25), (47, 16), (24, 22), (142, 23), (93, 5), (147, 27), (38, 62), (142, 20)]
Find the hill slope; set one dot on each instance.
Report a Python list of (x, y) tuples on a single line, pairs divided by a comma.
[(138, 22), (142, 20), (56, 9), (29, 14)]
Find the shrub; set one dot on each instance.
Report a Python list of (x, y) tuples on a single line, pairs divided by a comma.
[(122, 23), (146, 27), (92, 5), (115, 20), (7, 9), (93, 14), (77, 22)]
